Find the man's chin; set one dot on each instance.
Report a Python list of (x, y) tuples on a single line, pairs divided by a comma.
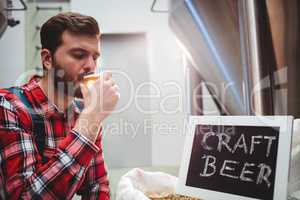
[(68, 88)]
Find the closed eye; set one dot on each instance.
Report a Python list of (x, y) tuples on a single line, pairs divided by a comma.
[(79, 55)]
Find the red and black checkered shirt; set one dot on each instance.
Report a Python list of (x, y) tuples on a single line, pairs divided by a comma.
[(73, 163)]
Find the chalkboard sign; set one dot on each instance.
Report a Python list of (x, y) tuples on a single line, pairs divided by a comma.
[(240, 157)]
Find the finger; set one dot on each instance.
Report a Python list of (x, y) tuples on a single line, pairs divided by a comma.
[(107, 75), (116, 87), (84, 89), (85, 93), (110, 82), (118, 94)]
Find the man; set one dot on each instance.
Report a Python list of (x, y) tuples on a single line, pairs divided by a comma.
[(50, 141)]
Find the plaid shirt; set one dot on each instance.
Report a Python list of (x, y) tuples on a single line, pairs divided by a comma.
[(73, 164)]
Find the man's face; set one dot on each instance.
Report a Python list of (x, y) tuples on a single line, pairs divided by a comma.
[(76, 56)]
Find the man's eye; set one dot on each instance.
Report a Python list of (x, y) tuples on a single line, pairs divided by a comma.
[(78, 56)]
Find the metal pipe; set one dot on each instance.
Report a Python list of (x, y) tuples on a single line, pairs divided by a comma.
[(254, 57), (244, 43), (257, 55), (38, 8)]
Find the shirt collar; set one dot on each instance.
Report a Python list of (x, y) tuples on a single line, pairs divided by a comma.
[(46, 107)]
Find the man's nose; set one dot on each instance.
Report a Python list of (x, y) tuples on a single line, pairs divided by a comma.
[(90, 64)]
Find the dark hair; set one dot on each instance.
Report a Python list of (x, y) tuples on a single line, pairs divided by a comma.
[(53, 28)]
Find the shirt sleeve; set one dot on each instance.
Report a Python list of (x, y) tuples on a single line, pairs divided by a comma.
[(23, 176), (96, 185)]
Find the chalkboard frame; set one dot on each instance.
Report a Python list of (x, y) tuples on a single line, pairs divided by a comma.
[(283, 156)]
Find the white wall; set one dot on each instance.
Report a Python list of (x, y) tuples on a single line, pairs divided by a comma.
[(131, 16), (167, 71), (126, 55), (12, 52), (117, 15)]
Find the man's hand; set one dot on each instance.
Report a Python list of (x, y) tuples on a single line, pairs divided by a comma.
[(99, 101)]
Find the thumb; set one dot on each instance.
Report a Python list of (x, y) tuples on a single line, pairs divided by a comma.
[(84, 90)]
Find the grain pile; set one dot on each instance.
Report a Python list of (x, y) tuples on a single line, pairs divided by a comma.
[(173, 197)]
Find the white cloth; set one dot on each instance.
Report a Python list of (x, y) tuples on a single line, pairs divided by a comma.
[(137, 184)]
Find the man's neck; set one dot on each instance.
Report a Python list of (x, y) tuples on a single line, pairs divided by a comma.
[(59, 99)]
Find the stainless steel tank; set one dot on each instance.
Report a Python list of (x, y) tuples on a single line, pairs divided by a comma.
[(246, 51)]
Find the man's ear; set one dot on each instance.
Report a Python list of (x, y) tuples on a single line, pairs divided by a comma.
[(46, 59)]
